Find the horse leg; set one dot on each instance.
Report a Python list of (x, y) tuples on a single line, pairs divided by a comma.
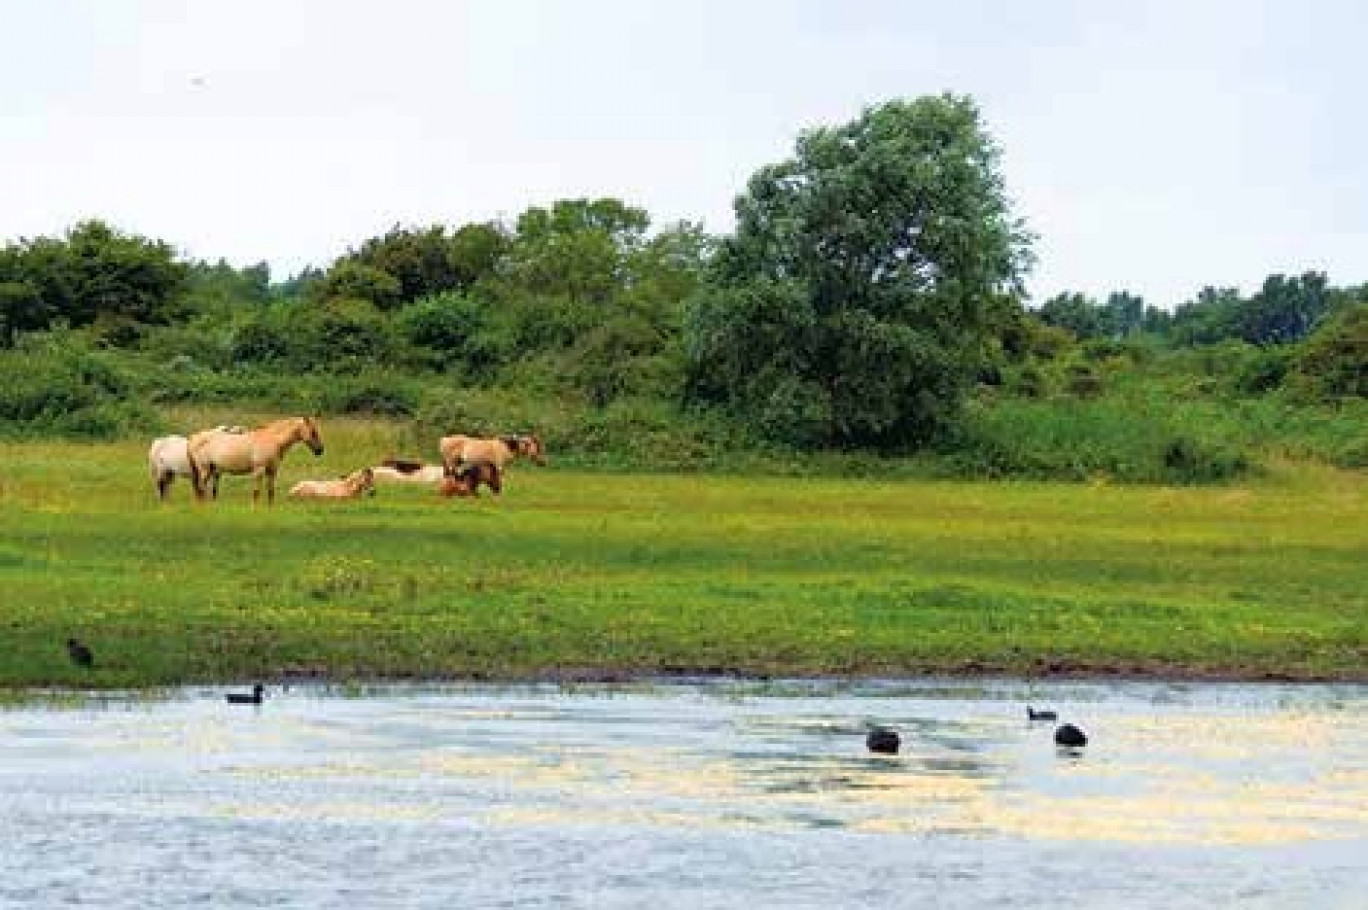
[(163, 484)]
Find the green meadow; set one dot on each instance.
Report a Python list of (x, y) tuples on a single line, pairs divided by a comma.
[(573, 574)]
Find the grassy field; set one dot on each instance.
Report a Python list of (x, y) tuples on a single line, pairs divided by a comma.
[(575, 574)]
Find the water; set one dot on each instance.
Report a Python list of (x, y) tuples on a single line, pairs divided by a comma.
[(717, 795)]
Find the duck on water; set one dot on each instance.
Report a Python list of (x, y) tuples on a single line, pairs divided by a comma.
[(255, 697)]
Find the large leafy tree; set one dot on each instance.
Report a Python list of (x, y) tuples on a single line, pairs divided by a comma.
[(94, 274), (866, 280)]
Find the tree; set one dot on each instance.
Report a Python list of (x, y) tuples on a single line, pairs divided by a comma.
[(406, 265), (1123, 314), (94, 274), (577, 249), (866, 281), (1284, 310), (1212, 317), (1075, 312), (22, 307)]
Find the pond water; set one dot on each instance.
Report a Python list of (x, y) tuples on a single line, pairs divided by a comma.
[(690, 795)]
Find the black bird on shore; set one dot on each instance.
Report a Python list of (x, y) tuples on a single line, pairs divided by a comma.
[(1033, 714), (256, 696), (80, 655), (883, 741), (1070, 736)]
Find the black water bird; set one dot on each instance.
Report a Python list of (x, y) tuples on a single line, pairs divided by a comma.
[(883, 741), (80, 655), (1070, 736), (242, 698), (1033, 714)]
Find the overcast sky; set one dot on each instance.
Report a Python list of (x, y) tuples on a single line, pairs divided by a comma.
[(1155, 146)]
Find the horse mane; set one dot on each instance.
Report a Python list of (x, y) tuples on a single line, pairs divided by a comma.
[(403, 465)]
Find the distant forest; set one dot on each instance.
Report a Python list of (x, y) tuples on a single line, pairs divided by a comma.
[(867, 308)]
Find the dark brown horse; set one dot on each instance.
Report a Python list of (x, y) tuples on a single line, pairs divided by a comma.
[(466, 480)]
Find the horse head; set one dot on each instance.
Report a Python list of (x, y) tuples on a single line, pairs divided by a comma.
[(530, 445), (308, 433)]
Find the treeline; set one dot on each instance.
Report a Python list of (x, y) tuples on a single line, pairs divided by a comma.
[(869, 300)]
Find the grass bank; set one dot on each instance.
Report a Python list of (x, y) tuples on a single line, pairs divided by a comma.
[(575, 573)]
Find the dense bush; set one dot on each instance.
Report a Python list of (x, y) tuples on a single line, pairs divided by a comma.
[(1334, 361), (71, 393), (1062, 440)]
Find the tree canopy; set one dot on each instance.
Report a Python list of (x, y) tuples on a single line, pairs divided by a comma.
[(94, 274), (866, 279)]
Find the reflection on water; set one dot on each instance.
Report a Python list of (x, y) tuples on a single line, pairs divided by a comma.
[(691, 796)]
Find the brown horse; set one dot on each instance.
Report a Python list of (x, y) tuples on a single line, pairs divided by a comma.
[(498, 450), (466, 480), (257, 452)]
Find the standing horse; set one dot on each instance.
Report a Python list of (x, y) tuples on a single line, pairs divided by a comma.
[(168, 458), (498, 451), (257, 452)]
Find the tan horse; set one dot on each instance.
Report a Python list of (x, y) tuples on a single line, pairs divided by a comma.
[(168, 458), (349, 487), (257, 452), (498, 450)]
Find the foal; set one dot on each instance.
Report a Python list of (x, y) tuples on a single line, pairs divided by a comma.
[(349, 487), (466, 481)]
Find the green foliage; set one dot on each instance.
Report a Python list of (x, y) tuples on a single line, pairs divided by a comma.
[(54, 387), (220, 289), (94, 275), (1123, 315), (343, 335), (1334, 361), (352, 280), (407, 265), (865, 283), (1061, 440), (455, 331), (1284, 310)]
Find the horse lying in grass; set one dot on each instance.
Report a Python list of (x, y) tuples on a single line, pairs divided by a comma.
[(348, 487), (408, 470), (257, 452), (466, 480), (168, 458)]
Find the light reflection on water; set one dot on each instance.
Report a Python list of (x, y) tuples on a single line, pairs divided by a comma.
[(711, 795)]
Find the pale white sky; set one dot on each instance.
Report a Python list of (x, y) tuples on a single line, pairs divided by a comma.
[(1154, 146)]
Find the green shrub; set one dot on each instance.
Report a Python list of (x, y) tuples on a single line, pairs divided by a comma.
[(1334, 361), (1063, 440), (65, 392)]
